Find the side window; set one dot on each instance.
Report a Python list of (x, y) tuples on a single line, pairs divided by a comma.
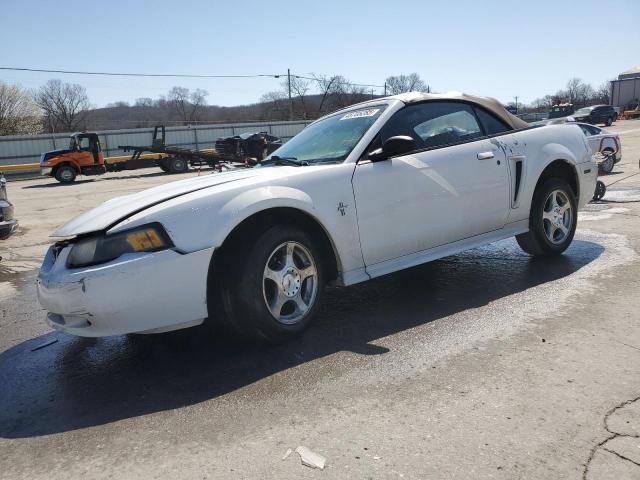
[(491, 124), (434, 124), (85, 143), (586, 130)]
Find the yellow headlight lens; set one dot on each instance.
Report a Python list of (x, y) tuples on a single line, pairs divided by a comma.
[(143, 240)]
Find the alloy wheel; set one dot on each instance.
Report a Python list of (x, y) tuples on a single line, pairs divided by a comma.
[(290, 282), (557, 217)]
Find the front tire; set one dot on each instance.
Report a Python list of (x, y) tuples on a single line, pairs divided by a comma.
[(552, 220), (66, 174), (272, 288), (608, 121)]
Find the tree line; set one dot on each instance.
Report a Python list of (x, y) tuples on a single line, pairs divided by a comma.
[(58, 106)]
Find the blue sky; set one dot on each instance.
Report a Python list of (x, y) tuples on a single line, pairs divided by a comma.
[(494, 48)]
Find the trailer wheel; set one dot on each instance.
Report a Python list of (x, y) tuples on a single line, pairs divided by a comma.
[(178, 165), (65, 174)]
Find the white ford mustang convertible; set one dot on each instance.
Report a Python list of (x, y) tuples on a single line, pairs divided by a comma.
[(372, 189)]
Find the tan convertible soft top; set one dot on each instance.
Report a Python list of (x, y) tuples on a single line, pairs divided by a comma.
[(491, 104)]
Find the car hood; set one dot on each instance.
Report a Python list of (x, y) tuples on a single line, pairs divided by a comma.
[(113, 211)]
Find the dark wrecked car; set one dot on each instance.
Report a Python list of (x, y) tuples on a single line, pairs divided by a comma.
[(7, 222), (256, 145)]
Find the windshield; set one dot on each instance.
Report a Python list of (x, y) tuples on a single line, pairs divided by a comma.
[(331, 139), (72, 143), (584, 111)]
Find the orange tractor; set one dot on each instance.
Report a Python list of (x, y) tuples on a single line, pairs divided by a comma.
[(84, 156)]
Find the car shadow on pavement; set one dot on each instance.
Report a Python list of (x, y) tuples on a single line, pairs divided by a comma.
[(77, 383)]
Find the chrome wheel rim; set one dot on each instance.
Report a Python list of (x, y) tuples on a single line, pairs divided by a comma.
[(557, 217), (290, 282)]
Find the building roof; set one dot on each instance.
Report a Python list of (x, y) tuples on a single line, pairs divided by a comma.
[(631, 71)]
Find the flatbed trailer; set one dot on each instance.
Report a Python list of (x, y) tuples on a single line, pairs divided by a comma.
[(172, 159)]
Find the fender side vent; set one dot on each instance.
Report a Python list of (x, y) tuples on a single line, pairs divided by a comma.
[(516, 164)]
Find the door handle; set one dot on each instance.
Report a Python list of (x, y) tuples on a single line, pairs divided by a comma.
[(485, 156)]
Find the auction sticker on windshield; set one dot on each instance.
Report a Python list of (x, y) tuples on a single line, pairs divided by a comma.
[(369, 112)]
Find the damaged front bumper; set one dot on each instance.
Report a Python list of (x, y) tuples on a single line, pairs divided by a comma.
[(136, 293)]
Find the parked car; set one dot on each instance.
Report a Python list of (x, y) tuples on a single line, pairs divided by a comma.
[(7, 222), (371, 189), (605, 145), (596, 114), (248, 145)]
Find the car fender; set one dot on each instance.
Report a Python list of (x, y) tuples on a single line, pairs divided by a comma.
[(201, 219)]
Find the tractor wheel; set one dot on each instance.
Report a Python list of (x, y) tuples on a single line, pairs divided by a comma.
[(178, 165), (66, 174)]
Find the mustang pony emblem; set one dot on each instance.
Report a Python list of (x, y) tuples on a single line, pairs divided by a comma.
[(341, 208)]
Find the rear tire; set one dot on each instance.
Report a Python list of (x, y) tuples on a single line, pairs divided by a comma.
[(552, 220), (272, 288), (66, 174), (606, 166), (178, 165)]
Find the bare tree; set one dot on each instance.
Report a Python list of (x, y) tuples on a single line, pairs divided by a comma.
[(406, 83), (328, 87), (274, 105), (143, 102), (188, 105), (18, 112), (65, 105), (602, 93), (299, 89)]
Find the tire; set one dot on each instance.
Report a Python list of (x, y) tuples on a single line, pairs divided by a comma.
[(542, 227), (66, 174), (608, 121), (606, 166), (265, 272), (178, 165)]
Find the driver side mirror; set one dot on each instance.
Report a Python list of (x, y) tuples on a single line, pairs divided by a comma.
[(392, 147)]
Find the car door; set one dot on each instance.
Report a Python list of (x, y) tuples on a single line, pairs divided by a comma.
[(453, 187)]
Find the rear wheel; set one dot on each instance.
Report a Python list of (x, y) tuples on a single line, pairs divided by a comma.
[(606, 166), (552, 220), (66, 174), (272, 289), (178, 165)]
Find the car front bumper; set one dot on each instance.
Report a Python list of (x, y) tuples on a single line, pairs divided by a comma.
[(136, 293)]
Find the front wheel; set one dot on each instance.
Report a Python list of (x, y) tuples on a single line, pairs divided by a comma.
[(552, 220), (66, 174), (273, 288), (608, 121)]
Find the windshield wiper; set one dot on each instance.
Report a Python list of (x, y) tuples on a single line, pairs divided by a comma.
[(276, 160)]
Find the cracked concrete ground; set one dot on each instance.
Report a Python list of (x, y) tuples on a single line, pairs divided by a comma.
[(483, 365)]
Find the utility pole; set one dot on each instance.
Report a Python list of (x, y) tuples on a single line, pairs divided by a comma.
[(385, 88), (516, 97), (290, 101)]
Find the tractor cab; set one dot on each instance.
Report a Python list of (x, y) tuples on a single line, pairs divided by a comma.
[(87, 142)]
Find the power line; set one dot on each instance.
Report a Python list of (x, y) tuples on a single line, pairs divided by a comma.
[(120, 74), (177, 75)]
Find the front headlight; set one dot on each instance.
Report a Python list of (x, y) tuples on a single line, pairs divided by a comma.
[(104, 248)]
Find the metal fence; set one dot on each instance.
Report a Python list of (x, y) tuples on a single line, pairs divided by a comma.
[(25, 149)]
